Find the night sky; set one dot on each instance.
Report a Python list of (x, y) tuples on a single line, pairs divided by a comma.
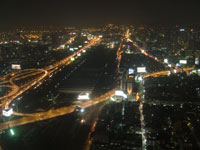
[(16, 13)]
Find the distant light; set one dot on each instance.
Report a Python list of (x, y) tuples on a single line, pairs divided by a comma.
[(169, 65), (175, 71), (166, 61), (71, 49), (79, 54), (82, 121), (12, 132), (82, 109), (182, 30), (72, 59), (100, 36), (142, 51), (84, 51)]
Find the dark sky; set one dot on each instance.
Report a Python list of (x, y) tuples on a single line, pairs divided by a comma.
[(71, 12)]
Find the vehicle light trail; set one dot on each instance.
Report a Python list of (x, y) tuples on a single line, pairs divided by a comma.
[(30, 118)]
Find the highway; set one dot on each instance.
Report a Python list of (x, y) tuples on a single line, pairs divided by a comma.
[(35, 76), (30, 118), (166, 72)]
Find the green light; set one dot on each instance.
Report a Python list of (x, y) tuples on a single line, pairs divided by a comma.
[(12, 132)]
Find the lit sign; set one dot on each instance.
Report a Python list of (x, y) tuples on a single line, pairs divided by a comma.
[(183, 61), (130, 71), (8, 112), (141, 69), (120, 93), (15, 66)]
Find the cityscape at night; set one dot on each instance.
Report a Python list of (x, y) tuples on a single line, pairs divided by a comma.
[(99, 76)]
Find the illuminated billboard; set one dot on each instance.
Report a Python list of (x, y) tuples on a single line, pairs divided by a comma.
[(131, 71), (141, 69), (7, 112), (183, 62), (15, 66), (120, 93), (83, 96)]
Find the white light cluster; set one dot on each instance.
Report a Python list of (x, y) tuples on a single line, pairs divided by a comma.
[(120, 93), (83, 96), (141, 69), (8, 112)]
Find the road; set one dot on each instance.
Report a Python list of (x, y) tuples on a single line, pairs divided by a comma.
[(38, 76), (67, 42), (143, 51), (166, 72), (30, 118)]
